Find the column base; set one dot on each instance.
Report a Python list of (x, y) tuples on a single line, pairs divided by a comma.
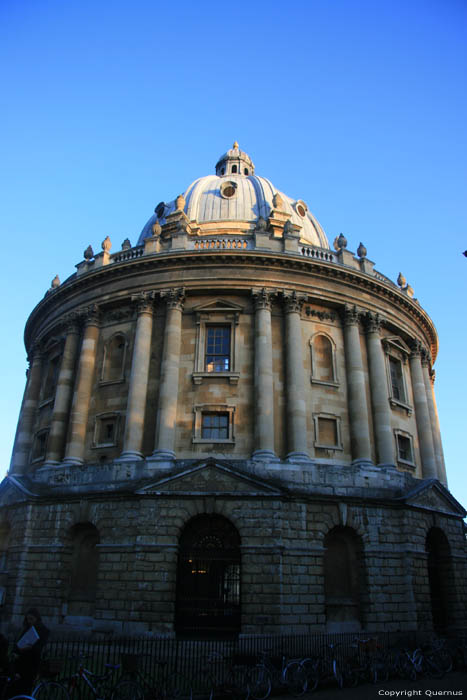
[(297, 457), (51, 463), (264, 455), (130, 456), (362, 463), (71, 461)]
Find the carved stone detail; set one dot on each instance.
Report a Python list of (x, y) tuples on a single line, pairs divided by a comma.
[(263, 297), (144, 302), (175, 298), (91, 315), (373, 322), (322, 315), (293, 301), (351, 315)]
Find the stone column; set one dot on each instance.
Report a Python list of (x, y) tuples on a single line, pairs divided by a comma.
[(74, 453), (295, 380), (422, 415), (358, 409), (379, 392), (264, 385), (429, 379), (27, 417), (168, 391), (63, 395), (134, 427)]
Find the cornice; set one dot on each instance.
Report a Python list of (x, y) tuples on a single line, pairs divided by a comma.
[(138, 267)]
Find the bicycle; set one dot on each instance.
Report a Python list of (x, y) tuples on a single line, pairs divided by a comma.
[(225, 676), (276, 671), (165, 683), (99, 685), (323, 668), (412, 664), (369, 664)]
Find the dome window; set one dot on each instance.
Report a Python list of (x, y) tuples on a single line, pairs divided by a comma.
[(301, 208), (228, 189), (245, 171), (234, 168)]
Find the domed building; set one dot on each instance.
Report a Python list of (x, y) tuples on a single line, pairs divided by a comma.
[(230, 428)]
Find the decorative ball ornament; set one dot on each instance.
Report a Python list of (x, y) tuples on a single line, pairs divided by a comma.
[(106, 244), (156, 229), (126, 245), (55, 282), (180, 203), (341, 241), (361, 251), (88, 253), (401, 281)]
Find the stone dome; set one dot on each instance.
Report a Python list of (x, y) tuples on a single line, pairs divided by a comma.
[(236, 194)]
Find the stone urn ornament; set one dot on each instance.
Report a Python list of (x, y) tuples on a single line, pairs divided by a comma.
[(361, 251), (106, 244), (88, 253)]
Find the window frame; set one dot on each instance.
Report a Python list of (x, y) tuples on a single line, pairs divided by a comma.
[(204, 409), (44, 432), (98, 420), (54, 354), (396, 351), (217, 313), (328, 416), (313, 377), (121, 378), (398, 433)]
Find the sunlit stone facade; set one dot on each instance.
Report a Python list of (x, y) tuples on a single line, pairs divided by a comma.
[(231, 428)]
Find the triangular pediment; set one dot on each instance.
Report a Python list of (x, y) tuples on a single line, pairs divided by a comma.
[(218, 305), (12, 491), (211, 477), (432, 495), (393, 342)]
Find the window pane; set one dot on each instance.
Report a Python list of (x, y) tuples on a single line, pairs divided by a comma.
[(397, 383), (218, 349), (215, 426)]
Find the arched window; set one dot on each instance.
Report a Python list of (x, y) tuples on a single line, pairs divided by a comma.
[(114, 359), (234, 168), (344, 580), (440, 578), (84, 569), (323, 365), (208, 577)]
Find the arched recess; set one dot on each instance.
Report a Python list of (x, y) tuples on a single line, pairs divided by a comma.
[(344, 580), (84, 567), (208, 578), (440, 578), (113, 367), (323, 359)]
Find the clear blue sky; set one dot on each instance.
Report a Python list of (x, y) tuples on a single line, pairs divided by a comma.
[(357, 107)]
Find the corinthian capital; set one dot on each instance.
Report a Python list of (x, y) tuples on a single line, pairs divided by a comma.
[(263, 297), (293, 301), (144, 302), (350, 315), (416, 349), (373, 322), (91, 315), (175, 298)]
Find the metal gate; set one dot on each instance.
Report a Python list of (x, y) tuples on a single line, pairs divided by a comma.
[(208, 578)]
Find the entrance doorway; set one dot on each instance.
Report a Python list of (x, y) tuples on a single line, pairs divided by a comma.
[(208, 578)]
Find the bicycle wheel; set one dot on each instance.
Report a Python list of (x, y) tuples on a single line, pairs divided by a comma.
[(337, 672), (238, 682), (431, 668), (50, 690), (312, 670), (294, 677), (260, 683), (177, 686), (127, 690), (22, 697)]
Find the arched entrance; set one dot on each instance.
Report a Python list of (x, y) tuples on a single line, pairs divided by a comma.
[(208, 578), (344, 580), (440, 577)]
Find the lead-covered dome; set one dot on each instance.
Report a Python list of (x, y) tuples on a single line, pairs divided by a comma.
[(236, 194)]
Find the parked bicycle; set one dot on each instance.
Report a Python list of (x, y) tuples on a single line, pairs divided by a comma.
[(87, 683), (160, 683), (273, 672), (224, 675)]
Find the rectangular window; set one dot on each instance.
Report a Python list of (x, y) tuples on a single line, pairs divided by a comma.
[(404, 448), (217, 349), (327, 431), (397, 381), (215, 426), (40, 445)]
